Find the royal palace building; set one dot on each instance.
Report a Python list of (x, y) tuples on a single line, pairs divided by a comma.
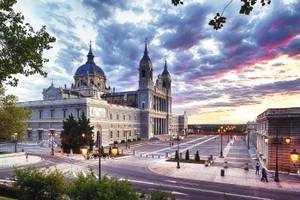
[(144, 113)]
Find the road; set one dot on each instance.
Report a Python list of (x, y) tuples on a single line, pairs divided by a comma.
[(135, 169)]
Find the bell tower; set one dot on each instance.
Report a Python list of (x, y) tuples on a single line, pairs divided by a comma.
[(145, 70)]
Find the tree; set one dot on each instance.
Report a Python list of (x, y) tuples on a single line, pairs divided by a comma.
[(187, 155), (37, 184), (219, 20), (85, 128), (12, 118), (70, 136), (21, 47), (197, 157)]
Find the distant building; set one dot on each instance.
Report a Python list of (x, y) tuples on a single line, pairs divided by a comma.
[(286, 123), (146, 112), (251, 131)]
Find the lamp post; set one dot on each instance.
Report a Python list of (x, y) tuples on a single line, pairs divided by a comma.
[(276, 177), (99, 146), (178, 138), (220, 131), (248, 139), (125, 131), (15, 140), (52, 134)]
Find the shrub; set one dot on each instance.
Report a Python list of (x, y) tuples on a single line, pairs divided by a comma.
[(35, 184), (89, 187), (122, 141), (187, 155), (197, 157), (160, 195), (138, 139), (115, 142), (9, 191), (129, 140), (133, 139)]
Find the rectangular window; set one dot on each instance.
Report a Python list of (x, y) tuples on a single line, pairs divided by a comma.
[(52, 114), (29, 134), (65, 113), (118, 133), (143, 105), (40, 114), (78, 112), (117, 116), (111, 134), (110, 115), (40, 132), (130, 133), (123, 133), (124, 117), (129, 116)]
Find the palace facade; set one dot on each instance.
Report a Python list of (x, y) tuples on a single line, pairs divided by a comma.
[(144, 113)]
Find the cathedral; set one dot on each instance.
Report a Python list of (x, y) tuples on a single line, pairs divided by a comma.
[(143, 113)]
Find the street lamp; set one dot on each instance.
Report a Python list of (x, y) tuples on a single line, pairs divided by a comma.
[(52, 135), (99, 135), (178, 138), (288, 140), (125, 130), (114, 151), (294, 156), (276, 177), (15, 140), (220, 131)]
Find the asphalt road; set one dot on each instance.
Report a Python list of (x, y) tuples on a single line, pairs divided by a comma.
[(136, 171)]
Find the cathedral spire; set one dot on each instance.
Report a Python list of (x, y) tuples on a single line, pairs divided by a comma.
[(146, 49), (90, 55), (166, 72)]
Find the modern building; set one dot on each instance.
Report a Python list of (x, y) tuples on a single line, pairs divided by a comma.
[(284, 124), (143, 113)]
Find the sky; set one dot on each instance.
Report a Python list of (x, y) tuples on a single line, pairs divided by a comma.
[(225, 76)]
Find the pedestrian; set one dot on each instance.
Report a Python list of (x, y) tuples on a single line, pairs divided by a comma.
[(257, 168), (264, 176), (26, 156)]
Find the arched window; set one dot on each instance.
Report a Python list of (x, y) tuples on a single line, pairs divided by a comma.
[(143, 73)]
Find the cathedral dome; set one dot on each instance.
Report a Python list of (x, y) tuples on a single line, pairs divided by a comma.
[(90, 67)]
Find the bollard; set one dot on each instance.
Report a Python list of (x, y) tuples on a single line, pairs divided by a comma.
[(222, 172), (152, 156), (141, 155), (167, 156)]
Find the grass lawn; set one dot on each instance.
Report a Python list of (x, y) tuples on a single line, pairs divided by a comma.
[(5, 198)]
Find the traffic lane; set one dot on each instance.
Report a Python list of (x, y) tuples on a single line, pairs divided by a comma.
[(146, 176)]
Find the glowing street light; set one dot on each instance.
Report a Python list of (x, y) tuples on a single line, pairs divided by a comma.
[(288, 140), (294, 156)]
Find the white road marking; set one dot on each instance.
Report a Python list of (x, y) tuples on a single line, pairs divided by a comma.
[(200, 190), (153, 152)]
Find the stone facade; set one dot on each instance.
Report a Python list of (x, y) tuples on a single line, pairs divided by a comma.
[(146, 112), (284, 122)]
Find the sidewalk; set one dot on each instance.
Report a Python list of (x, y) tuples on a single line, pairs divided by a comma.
[(17, 159), (234, 176)]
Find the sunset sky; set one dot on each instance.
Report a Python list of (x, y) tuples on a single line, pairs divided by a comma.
[(225, 76)]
